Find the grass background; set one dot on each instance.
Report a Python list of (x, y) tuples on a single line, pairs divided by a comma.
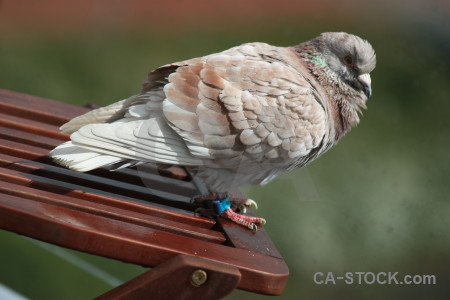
[(378, 201)]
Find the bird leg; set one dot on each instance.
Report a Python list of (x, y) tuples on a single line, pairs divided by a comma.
[(221, 204), (246, 221)]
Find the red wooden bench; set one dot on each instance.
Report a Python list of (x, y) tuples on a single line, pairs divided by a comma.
[(142, 216)]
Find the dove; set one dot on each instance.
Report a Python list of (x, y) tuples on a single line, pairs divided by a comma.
[(235, 118)]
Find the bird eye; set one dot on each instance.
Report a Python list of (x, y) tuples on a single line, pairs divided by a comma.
[(348, 60)]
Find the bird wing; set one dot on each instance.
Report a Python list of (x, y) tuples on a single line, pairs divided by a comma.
[(246, 103)]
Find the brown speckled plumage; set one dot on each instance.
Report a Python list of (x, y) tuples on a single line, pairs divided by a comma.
[(239, 117)]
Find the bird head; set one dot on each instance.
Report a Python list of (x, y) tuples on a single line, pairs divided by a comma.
[(349, 58)]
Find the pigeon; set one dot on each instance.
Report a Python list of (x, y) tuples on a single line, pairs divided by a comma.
[(235, 118)]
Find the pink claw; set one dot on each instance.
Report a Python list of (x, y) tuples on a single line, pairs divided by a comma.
[(247, 221)]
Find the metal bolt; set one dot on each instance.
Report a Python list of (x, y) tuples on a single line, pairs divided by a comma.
[(198, 277)]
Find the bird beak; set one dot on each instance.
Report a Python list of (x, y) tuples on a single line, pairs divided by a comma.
[(365, 81)]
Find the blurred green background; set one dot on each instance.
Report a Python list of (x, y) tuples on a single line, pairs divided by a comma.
[(377, 202)]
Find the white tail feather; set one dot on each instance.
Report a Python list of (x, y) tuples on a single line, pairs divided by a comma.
[(79, 159)]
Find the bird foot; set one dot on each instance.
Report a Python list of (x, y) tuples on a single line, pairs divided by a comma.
[(229, 207), (238, 204), (246, 221)]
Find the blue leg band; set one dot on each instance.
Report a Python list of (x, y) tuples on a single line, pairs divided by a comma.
[(221, 205)]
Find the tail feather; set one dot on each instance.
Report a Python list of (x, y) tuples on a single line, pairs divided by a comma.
[(100, 115), (81, 160)]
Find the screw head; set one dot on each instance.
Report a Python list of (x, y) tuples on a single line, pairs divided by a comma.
[(198, 277)]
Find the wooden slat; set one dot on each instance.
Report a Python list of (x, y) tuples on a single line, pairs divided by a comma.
[(102, 183), (35, 150), (149, 178), (51, 175), (23, 137), (164, 224), (129, 203), (38, 109), (22, 150), (83, 192), (140, 245), (32, 126)]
